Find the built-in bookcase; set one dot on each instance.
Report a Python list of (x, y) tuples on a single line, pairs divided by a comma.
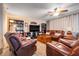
[(16, 26)]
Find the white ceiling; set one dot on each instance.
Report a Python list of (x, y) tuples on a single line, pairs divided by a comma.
[(39, 10)]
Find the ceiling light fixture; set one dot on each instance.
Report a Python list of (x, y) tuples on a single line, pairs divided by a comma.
[(56, 14), (11, 21), (57, 11)]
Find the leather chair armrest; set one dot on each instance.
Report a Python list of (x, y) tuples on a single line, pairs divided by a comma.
[(27, 50), (75, 51), (60, 48), (67, 42), (22, 51), (32, 42)]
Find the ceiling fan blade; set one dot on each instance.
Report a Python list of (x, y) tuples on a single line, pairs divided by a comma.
[(63, 10), (55, 9)]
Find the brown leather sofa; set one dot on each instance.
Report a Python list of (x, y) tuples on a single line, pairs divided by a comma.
[(17, 48), (56, 34), (52, 32), (59, 49)]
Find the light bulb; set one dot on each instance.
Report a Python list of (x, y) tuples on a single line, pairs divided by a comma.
[(11, 21), (56, 14)]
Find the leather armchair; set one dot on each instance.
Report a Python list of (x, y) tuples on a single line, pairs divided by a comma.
[(18, 49), (59, 49), (7, 36)]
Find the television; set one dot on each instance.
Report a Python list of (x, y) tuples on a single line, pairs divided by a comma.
[(34, 28)]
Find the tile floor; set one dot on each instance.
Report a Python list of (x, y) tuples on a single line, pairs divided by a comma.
[(41, 49)]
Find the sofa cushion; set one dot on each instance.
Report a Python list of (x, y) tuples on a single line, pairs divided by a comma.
[(57, 34), (48, 33)]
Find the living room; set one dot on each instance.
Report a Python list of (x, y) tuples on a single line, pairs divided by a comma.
[(39, 29)]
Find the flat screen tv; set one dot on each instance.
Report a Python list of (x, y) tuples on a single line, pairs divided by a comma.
[(34, 28)]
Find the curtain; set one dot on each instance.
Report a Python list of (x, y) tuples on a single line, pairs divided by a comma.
[(66, 23)]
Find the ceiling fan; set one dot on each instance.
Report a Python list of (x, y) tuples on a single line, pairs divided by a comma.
[(57, 11)]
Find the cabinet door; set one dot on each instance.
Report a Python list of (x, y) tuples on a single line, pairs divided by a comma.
[(43, 27)]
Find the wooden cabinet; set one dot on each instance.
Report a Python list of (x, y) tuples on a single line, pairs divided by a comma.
[(44, 38)]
